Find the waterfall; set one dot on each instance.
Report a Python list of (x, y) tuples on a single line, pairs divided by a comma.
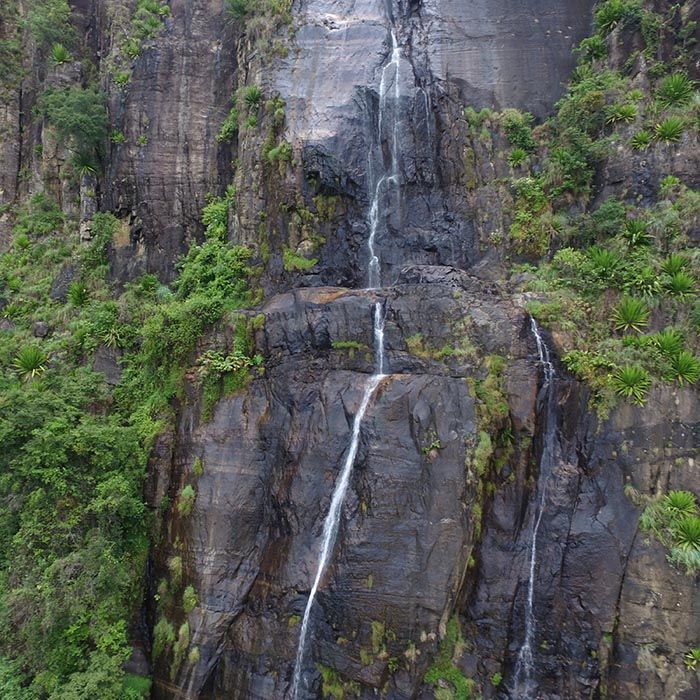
[(389, 83), (523, 683)]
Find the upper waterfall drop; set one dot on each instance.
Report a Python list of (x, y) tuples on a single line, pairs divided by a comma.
[(389, 83)]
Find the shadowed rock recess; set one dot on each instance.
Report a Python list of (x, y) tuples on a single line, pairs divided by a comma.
[(425, 595)]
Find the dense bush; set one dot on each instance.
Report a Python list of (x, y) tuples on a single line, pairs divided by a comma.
[(79, 116), (49, 22)]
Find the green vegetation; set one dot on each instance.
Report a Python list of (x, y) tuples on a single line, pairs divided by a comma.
[(293, 262), (252, 96), (630, 314), (443, 674), (30, 362), (60, 54), (49, 22), (601, 278), (670, 129), (186, 500), (79, 116), (676, 89), (335, 687), (75, 537), (691, 659), (675, 521), (614, 13), (189, 600), (632, 382)]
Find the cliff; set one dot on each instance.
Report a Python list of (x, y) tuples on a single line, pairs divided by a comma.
[(412, 193)]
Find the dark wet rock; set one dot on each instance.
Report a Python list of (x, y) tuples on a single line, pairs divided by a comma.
[(40, 329), (106, 362), (59, 287)]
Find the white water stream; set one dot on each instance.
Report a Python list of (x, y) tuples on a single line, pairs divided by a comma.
[(389, 89), (523, 685)]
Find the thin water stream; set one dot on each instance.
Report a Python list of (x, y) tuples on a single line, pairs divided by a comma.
[(523, 685)]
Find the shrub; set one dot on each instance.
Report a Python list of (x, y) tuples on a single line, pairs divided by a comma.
[(252, 96), (679, 504), (670, 129), (636, 232), (189, 600), (675, 89), (293, 262), (630, 314), (187, 499), (681, 284), (517, 157), (692, 658), (79, 115), (687, 533), (612, 13), (60, 54), (49, 22), (518, 128), (163, 636), (592, 48), (78, 294), (623, 112), (674, 264), (641, 140), (669, 342), (605, 262), (632, 382), (282, 152), (229, 129), (30, 362), (39, 217), (685, 367)]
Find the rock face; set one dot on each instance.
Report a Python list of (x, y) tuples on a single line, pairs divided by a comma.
[(169, 115)]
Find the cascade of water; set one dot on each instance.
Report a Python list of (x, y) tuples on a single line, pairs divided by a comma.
[(332, 521), (523, 684), (389, 79)]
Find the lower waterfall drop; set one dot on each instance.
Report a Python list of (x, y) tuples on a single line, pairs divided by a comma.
[(523, 684)]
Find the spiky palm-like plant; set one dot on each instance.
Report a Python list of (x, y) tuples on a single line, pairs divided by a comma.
[(636, 232), (692, 658), (675, 89), (605, 262), (669, 342), (681, 284), (685, 367), (78, 294), (252, 96), (674, 263), (679, 504), (630, 314), (624, 112), (670, 129), (60, 54), (30, 362), (641, 140), (686, 533), (632, 382)]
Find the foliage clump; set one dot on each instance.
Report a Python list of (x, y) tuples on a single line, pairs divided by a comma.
[(675, 521)]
